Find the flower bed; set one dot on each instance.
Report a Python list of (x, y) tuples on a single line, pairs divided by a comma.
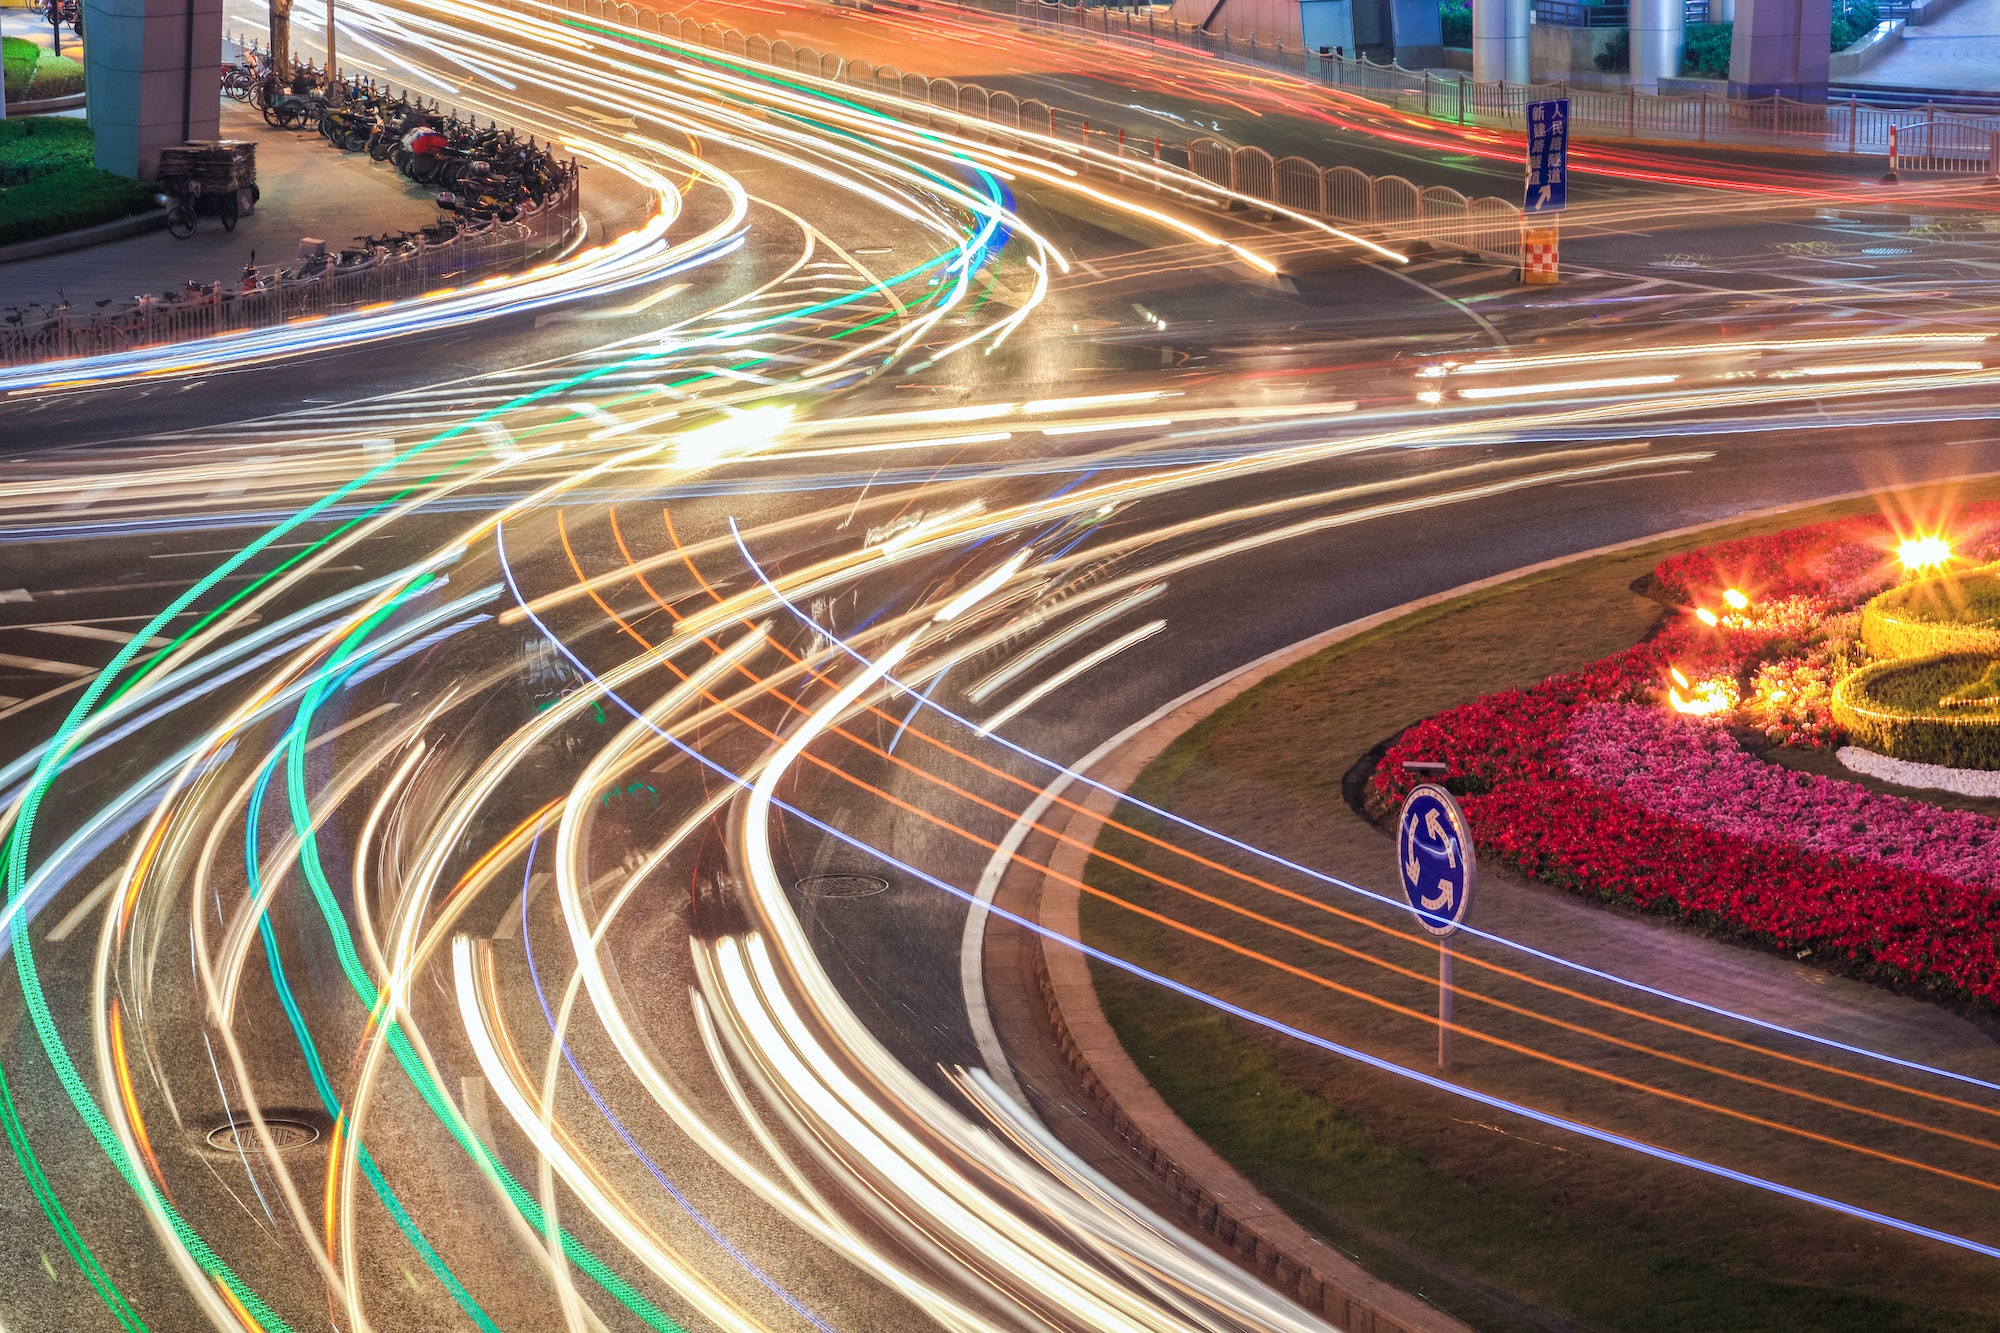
[(1625, 779)]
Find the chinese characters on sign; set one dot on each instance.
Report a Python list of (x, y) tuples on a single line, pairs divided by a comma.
[(1548, 157)]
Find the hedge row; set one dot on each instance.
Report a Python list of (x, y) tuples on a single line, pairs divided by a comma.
[(1893, 708)]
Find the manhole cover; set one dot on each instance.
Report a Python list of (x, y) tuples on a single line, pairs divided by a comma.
[(241, 1135), (842, 886)]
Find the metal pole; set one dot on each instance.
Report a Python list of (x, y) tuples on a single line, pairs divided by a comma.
[(187, 70), (1444, 1004), (332, 66)]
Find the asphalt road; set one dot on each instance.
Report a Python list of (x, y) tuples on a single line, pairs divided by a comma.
[(455, 678)]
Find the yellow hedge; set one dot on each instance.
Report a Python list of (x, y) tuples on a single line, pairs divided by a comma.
[(1876, 706)]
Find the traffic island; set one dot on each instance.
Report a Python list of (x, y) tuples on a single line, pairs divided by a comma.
[(1498, 1210)]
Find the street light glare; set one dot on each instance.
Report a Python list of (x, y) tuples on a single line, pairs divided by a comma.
[(1925, 552)]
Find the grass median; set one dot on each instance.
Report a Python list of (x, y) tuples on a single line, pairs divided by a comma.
[(1506, 1223)]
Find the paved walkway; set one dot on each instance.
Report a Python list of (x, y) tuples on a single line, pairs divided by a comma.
[(1960, 51), (309, 189)]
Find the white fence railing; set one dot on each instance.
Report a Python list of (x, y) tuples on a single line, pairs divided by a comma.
[(1397, 208), (1932, 138), (459, 262)]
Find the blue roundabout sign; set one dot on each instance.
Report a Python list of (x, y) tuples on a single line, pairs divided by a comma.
[(1434, 858)]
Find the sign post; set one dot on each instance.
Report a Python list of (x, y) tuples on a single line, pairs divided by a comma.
[(1546, 191), (1436, 864)]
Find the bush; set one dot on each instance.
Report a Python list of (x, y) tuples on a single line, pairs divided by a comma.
[(19, 56), (1938, 615), (69, 199), (32, 146), (1895, 708), (1456, 16), (48, 185), (1706, 55), (1859, 20), (1616, 57), (55, 76)]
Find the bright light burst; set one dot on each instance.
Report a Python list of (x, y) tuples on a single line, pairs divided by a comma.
[(1928, 551)]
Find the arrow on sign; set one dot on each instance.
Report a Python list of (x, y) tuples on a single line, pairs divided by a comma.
[(1547, 190), (1438, 899)]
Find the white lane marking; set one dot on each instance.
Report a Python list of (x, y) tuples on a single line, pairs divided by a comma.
[(1057, 642), (47, 666), (91, 902), (1072, 671), (1636, 476), (95, 632), (15, 595)]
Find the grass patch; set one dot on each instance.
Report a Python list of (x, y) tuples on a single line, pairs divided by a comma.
[(49, 185), (1505, 1223)]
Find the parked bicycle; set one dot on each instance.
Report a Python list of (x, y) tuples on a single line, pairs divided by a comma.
[(188, 203)]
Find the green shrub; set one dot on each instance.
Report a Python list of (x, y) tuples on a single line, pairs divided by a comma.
[(1616, 57), (1899, 709), (1456, 16), (1959, 613), (67, 199), (32, 146), (1859, 20), (55, 76), (19, 56), (1706, 55)]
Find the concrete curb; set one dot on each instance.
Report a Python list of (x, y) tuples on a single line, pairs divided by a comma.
[(1222, 1201), (45, 106), (115, 230)]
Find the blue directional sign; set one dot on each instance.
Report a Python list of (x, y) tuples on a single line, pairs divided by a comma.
[(1548, 157), (1434, 858)]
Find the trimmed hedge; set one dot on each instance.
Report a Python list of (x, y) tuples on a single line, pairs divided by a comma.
[(32, 146), (48, 183), (19, 56), (34, 75), (55, 76), (1949, 614), (1894, 708)]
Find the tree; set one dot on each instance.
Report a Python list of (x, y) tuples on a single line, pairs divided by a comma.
[(281, 36)]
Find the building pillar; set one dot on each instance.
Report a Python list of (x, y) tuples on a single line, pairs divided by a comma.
[(1781, 47), (1659, 34), (1501, 40), (150, 72)]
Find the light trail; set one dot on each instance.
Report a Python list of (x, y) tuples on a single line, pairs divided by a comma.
[(774, 1159)]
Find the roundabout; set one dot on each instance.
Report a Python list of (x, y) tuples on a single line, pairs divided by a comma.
[(1545, 1014)]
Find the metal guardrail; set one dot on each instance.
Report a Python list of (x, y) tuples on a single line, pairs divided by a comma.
[(1836, 127), (1396, 208), (153, 321)]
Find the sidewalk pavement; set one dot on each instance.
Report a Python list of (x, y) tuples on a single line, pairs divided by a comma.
[(309, 188), (1960, 51)]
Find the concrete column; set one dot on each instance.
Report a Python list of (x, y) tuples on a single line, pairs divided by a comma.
[(1659, 33), (150, 69), (1501, 40), (1780, 46)]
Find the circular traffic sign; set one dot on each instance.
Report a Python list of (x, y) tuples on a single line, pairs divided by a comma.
[(1434, 858)]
